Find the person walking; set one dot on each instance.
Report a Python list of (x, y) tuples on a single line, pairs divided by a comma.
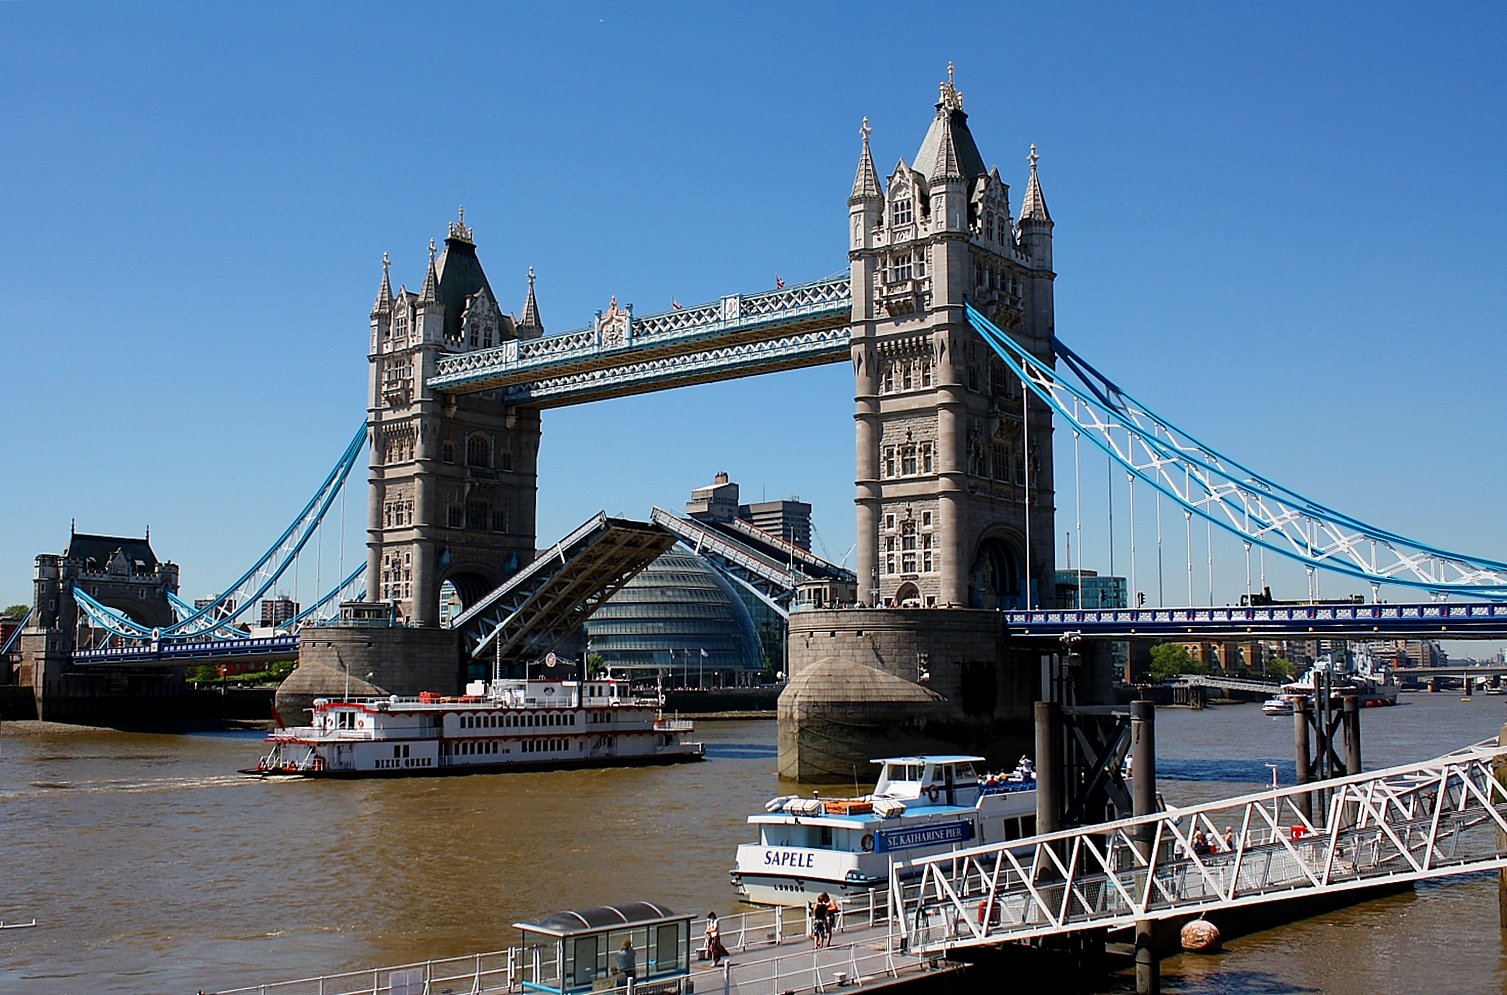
[(822, 915), (714, 948)]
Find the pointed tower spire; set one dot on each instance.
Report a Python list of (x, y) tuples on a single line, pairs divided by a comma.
[(384, 292), (866, 183), (1034, 206), (430, 290), (529, 325), (946, 166)]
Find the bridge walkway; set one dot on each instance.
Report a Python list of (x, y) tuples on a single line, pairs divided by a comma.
[(1397, 825)]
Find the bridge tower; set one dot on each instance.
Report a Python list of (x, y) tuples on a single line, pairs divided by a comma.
[(453, 477), (950, 456)]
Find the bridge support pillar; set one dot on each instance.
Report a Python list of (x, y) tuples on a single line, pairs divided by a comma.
[(1148, 967), (1302, 754), (1049, 769)]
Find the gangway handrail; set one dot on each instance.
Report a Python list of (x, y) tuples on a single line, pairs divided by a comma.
[(1405, 823)]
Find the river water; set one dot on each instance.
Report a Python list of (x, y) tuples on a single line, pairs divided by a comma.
[(152, 867)]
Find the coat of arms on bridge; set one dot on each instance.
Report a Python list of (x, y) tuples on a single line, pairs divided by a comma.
[(614, 327)]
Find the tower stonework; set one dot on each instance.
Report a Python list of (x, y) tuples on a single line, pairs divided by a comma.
[(948, 451), (453, 477)]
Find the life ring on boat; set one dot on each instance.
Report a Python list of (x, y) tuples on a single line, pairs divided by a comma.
[(867, 842), (932, 794)]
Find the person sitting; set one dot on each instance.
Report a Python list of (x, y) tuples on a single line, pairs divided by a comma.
[(626, 960)]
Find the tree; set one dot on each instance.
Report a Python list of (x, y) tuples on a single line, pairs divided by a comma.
[(1282, 667), (1171, 659), (16, 611), (596, 665)]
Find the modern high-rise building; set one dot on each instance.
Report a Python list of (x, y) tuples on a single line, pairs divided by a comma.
[(789, 519), (277, 611)]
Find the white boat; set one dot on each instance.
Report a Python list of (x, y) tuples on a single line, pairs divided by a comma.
[(507, 725), (1345, 673), (1280, 705), (920, 806)]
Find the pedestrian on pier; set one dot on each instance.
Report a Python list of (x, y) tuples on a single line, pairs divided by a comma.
[(822, 915), (714, 948)]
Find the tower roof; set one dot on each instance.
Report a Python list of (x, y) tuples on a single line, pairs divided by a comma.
[(460, 275), (384, 292), (98, 548), (530, 319), (866, 183), (949, 127), (429, 291), (1034, 206)]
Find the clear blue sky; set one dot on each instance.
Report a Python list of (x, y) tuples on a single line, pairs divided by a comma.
[(1282, 225)]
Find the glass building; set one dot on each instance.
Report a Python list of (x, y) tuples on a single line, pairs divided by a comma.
[(664, 619)]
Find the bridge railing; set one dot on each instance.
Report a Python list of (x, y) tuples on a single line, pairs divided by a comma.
[(1401, 824)]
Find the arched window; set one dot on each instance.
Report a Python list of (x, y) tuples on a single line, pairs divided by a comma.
[(479, 451)]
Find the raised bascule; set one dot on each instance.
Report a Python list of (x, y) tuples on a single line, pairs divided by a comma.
[(946, 314)]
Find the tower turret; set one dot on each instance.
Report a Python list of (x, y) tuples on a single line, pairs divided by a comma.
[(530, 326), (1035, 222)]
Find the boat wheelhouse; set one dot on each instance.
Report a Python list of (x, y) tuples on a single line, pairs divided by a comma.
[(920, 806), (507, 725)]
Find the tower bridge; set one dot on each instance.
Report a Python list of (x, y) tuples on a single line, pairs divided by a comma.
[(946, 315)]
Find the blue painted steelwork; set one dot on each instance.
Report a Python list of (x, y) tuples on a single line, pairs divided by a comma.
[(182, 652), (15, 636), (216, 616), (1206, 483), (803, 325), (1478, 620)]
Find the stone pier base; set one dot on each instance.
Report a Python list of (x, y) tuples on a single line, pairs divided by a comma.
[(377, 660), (874, 682)]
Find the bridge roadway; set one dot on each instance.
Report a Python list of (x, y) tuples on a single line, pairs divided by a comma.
[(1440, 620)]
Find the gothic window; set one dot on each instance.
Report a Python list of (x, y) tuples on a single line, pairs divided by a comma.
[(475, 336), (926, 467), (507, 460), (889, 563), (486, 336), (999, 380), (499, 520), (1002, 461), (889, 378), (905, 376), (904, 213), (900, 267), (908, 461), (973, 375), (926, 373), (478, 515), (400, 327), (889, 471), (889, 544), (455, 517), (926, 562), (889, 521), (926, 519), (989, 226), (908, 537), (479, 451), (447, 450), (920, 264), (908, 563), (978, 274)]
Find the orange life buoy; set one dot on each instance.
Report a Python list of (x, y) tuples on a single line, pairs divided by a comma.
[(932, 794)]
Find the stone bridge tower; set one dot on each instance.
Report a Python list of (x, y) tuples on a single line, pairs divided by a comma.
[(954, 470), (453, 478)]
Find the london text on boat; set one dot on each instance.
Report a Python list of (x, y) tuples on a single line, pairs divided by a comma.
[(507, 725), (844, 846)]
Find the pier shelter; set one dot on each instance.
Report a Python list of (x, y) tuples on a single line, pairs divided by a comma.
[(637, 947)]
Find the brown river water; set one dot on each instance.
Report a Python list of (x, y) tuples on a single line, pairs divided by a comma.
[(152, 867)]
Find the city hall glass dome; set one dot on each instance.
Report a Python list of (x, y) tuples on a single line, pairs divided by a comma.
[(664, 617)]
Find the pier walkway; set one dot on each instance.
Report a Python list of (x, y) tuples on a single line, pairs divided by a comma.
[(772, 954), (1392, 826)]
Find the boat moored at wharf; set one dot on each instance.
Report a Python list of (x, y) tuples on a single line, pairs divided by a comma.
[(921, 806), (505, 725)]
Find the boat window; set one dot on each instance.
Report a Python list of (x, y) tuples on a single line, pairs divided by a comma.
[(966, 772), (346, 720), (826, 837)]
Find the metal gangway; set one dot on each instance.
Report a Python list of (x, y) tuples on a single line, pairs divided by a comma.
[(1393, 826)]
